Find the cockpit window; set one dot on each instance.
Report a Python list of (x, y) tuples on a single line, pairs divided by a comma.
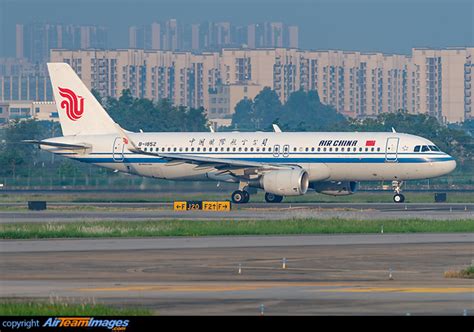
[(425, 148), (417, 148), (434, 148)]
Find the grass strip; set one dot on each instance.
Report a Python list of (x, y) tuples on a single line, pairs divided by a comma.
[(12, 308), (157, 228), (467, 273)]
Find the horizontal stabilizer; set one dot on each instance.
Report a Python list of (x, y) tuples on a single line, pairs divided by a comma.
[(59, 145)]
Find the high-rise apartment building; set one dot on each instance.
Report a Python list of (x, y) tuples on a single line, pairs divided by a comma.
[(293, 36), (211, 36), (34, 41), (437, 82), (183, 78)]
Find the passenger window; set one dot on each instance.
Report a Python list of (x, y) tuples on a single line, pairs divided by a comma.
[(372, 149), (294, 149), (360, 149), (204, 149), (240, 149), (263, 149), (330, 149), (192, 149), (319, 149), (307, 149), (378, 149), (324, 149), (342, 149), (312, 149), (335, 149), (366, 149), (425, 148), (269, 149)]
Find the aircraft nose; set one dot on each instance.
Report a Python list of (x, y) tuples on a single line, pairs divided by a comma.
[(449, 165)]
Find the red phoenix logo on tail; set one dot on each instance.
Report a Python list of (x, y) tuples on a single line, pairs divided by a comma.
[(74, 107)]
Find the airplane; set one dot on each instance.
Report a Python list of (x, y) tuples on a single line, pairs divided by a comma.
[(280, 163)]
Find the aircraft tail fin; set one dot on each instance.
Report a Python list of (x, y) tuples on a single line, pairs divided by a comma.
[(79, 111)]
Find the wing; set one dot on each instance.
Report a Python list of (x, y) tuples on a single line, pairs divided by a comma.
[(239, 168)]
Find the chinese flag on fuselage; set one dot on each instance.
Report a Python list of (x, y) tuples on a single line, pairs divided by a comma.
[(370, 143)]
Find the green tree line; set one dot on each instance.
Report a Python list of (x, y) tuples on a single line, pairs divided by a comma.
[(303, 111)]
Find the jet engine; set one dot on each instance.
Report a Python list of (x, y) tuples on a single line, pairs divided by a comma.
[(335, 188), (291, 182)]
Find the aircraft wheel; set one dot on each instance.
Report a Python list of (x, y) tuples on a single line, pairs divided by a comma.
[(246, 196), (240, 196), (399, 198), (272, 198)]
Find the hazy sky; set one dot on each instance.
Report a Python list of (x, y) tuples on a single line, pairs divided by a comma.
[(367, 25)]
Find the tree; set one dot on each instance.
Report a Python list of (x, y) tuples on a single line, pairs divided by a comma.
[(13, 153), (302, 112), (243, 112), (451, 140), (143, 114)]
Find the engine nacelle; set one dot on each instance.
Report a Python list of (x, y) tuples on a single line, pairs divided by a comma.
[(335, 188), (291, 182)]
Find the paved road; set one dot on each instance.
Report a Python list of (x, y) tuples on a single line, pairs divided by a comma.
[(216, 242), (325, 275), (63, 212)]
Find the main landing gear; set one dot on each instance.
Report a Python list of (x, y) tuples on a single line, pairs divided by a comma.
[(272, 198), (398, 197), (240, 196)]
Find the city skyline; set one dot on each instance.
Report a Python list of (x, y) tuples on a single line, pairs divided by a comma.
[(356, 84), (384, 26)]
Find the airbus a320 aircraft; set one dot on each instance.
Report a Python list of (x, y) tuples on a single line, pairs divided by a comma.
[(280, 163)]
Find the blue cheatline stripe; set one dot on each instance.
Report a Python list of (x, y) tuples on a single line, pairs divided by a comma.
[(275, 160), (271, 154)]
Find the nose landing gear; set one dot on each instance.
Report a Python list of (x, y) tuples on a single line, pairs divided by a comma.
[(398, 197)]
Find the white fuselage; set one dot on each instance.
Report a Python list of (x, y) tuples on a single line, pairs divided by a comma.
[(326, 156)]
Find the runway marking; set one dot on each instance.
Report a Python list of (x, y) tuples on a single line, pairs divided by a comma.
[(402, 290), (208, 288), (323, 287)]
